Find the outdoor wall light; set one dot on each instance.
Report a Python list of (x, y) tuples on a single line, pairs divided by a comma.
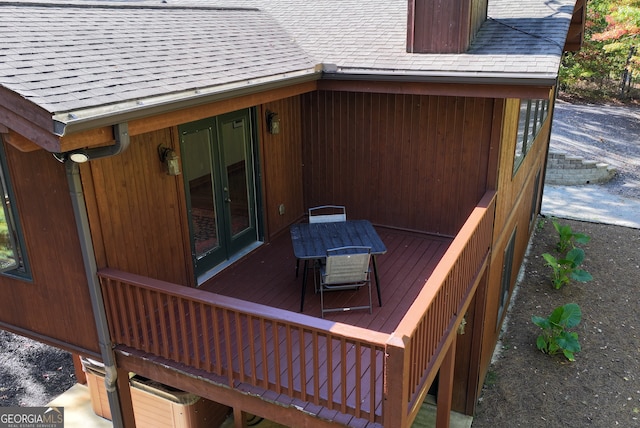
[(169, 159), (273, 122), (79, 156)]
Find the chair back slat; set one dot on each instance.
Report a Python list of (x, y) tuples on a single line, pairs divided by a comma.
[(347, 268), (347, 265), (327, 214)]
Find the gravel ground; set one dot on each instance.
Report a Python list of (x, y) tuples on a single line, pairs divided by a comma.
[(32, 374), (609, 134)]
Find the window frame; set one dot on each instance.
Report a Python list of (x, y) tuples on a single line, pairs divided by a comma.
[(531, 118), (22, 269), (507, 272)]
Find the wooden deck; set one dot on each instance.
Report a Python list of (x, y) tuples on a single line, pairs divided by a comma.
[(267, 276), (242, 331)]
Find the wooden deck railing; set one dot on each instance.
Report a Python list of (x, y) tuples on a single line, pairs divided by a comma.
[(421, 335), (370, 375), (330, 364)]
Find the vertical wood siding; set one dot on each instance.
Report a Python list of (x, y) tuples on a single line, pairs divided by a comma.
[(41, 306), (141, 211), (444, 26), (415, 162), (281, 163)]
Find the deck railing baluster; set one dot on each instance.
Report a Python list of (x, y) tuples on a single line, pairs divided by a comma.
[(160, 304), (315, 352), (173, 327), (153, 321), (263, 346), (303, 363), (217, 342), (228, 334), (289, 360), (205, 327)]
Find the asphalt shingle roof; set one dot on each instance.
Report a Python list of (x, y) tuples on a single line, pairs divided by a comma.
[(65, 58), (83, 55)]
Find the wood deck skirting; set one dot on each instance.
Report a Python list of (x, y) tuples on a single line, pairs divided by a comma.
[(375, 368)]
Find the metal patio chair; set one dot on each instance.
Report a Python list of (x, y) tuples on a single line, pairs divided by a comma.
[(346, 268), (325, 214)]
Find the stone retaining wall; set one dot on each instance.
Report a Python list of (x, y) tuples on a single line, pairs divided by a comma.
[(571, 170)]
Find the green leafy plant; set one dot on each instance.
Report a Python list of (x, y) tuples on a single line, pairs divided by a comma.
[(568, 238), (555, 338), (565, 269)]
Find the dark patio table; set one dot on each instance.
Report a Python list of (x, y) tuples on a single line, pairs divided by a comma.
[(312, 240)]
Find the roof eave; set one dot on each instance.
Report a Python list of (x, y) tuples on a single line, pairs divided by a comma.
[(460, 77), (69, 122)]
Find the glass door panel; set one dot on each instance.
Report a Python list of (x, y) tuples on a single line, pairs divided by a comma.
[(235, 138), (217, 160), (201, 198)]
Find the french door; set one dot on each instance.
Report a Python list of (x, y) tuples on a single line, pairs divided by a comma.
[(219, 174)]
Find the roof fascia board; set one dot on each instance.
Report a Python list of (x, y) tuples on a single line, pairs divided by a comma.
[(482, 90), (30, 130), (475, 78)]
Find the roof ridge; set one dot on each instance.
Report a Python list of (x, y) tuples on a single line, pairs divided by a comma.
[(141, 5)]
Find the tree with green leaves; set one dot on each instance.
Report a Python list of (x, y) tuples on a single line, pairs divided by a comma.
[(610, 49)]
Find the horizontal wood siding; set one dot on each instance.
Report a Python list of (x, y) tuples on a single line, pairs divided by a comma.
[(415, 162), (41, 308), (140, 211), (281, 162)]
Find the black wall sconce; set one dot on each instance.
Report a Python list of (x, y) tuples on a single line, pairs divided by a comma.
[(273, 122), (169, 159)]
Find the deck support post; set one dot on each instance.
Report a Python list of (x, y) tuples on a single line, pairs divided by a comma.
[(396, 383), (124, 395), (445, 386), (239, 418)]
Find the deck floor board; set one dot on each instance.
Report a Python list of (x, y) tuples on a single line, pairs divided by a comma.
[(267, 276)]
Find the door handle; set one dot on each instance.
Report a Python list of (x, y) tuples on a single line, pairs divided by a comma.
[(226, 195)]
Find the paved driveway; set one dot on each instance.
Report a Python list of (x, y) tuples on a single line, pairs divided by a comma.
[(609, 134)]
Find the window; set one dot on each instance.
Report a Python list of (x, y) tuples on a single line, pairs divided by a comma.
[(507, 268), (12, 260), (534, 200), (533, 113)]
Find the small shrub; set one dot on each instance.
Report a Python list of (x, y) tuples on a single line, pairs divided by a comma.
[(567, 237), (565, 269), (555, 338)]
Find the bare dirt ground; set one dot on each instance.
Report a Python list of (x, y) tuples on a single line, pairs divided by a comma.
[(31, 373), (601, 388)]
